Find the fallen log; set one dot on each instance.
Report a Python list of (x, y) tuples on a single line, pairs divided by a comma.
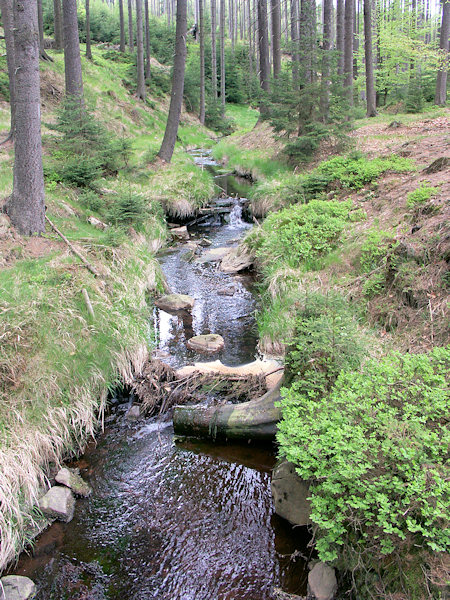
[(256, 420)]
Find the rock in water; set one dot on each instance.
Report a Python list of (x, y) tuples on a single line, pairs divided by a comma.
[(59, 503), (71, 478), (290, 494), (213, 255), (238, 259), (206, 343), (180, 233), (16, 587), (322, 583), (175, 302)]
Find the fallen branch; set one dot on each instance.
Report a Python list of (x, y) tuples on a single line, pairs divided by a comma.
[(88, 265), (88, 302)]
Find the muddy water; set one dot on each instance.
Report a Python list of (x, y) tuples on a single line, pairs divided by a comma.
[(177, 520)]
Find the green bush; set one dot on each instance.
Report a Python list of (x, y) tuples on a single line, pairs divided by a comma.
[(421, 195), (128, 209), (91, 200), (375, 451), (375, 249), (80, 171)]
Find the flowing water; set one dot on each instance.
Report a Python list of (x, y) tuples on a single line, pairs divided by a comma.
[(168, 519)]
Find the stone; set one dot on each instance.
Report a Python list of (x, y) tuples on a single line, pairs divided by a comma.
[(133, 413), (290, 494), (180, 233), (213, 255), (5, 224), (322, 582), (71, 478), (58, 502), (211, 342), (175, 302), (16, 587), (257, 367), (97, 223), (229, 291), (205, 242), (237, 259)]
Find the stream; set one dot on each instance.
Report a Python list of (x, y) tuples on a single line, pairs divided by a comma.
[(176, 519)]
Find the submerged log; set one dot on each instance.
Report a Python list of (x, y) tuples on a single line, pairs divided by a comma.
[(256, 420)]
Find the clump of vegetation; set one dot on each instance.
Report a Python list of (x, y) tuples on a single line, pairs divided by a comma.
[(421, 195), (375, 249), (374, 450), (129, 209)]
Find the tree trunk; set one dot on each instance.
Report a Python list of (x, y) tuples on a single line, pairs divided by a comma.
[(368, 54), (213, 49), (26, 206), (295, 43), (130, 26), (222, 55), (308, 38), (176, 98), (340, 11), (88, 32), (263, 42), (122, 27), (58, 26), (8, 28), (202, 62), (276, 37), (348, 50), (148, 69), (72, 58), (42, 53), (325, 87), (140, 91), (440, 97)]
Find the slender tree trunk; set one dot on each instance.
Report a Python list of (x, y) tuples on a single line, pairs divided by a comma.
[(140, 91), (295, 43), (348, 50), (222, 55), (368, 54), (263, 42), (8, 28), (57, 19), (308, 38), (440, 97), (202, 62), (276, 37), (130, 26), (325, 87), (26, 205), (42, 53), (88, 31), (122, 27), (148, 69), (250, 49), (72, 58), (340, 35), (213, 49), (176, 98)]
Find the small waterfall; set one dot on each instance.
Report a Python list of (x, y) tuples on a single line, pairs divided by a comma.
[(236, 221)]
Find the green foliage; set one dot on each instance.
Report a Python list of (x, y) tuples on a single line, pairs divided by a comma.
[(91, 200), (374, 285), (299, 233), (374, 450), (421, 195), (374, 250), (214, 119), (128, 209), (4, 79)]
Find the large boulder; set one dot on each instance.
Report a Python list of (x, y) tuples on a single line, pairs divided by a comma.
[(16, 587), (290, 494), (180, 233), (322, 582), (211, 342), (236, 260), (58, 503), (71, 478), (213, 255), (175, 302)]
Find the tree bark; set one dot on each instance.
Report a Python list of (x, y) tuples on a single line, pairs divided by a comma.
[(368, 54), (295, 43), (140, 91), (263, 42), (440, 97), (130, 26), (202, 62), (213, 49), (72, 58), (6, 7), (308, 38), (26, 206), (58, 26), (340, 35), (88, 31), (325, 84), (122, 27), (348, 50), (176, 98), (276, 37), (42, 53), (148, 69), (222, 55)]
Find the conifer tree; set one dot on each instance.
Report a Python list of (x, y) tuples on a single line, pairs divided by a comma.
[(140, 91), (58, 26), (441, 82), (72, 58), (6, 7), (122, 27)]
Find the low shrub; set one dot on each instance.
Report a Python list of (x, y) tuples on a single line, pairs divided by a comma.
[(128, 209), (421, 195), (375, 249)]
